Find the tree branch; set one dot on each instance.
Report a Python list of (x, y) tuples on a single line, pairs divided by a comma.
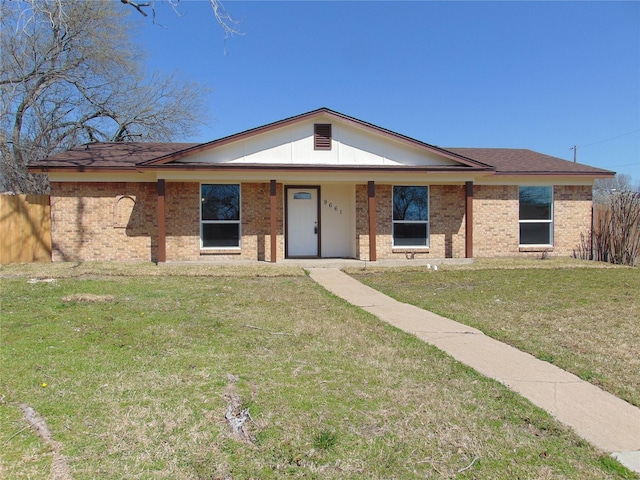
[(71, 74), (137, 6)]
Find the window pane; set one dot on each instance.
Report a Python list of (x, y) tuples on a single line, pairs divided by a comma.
[(410, 234), (535, 233), (220, 202), (535, 203), (411, 203), (220, 235)]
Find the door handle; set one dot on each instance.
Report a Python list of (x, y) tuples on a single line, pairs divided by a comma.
[(315, 228)]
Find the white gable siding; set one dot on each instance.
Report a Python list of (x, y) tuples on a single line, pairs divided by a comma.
[(294, 145), (363, 148)]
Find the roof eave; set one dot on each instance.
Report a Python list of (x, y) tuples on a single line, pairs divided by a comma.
[(555, 174), (77, 169), (309, 167)]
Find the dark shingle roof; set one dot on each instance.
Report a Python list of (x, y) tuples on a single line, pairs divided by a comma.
[(110, 156), (131, 156), (127, 156), (519, 160)]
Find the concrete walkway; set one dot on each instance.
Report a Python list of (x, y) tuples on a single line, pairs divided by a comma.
[(602, 419)]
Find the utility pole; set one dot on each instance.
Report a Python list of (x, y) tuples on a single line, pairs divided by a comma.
[(575, 153)]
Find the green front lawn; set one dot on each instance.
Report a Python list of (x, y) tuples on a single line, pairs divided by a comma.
[(133, 369)]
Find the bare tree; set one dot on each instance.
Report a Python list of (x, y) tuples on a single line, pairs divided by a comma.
[(228, 24), (70, 74), (603, 188)]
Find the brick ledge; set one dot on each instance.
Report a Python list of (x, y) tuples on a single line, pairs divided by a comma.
[(535, 249), (410, 250), (223, 251)]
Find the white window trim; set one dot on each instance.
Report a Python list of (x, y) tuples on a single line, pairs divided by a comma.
[(238, 222), (549, 221), (421, 222)]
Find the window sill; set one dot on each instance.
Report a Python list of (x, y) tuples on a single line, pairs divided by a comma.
[(535, 248), (221, 251), (410, 249)]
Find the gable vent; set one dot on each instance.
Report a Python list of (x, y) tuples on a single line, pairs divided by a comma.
[(322, 136)]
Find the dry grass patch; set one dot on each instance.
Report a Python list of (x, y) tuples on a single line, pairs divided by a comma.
[(54, 270)]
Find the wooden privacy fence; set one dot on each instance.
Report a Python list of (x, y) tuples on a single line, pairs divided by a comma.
[(25, 229)]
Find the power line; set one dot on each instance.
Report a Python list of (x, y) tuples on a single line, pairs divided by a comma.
[(625, 164), (607, 140), (576, 147)]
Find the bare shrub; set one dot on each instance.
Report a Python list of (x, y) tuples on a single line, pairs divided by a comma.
[(616, 231)]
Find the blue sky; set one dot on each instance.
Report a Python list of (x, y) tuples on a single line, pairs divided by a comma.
[(539, 75)]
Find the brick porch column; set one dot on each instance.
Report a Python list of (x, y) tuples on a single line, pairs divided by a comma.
[(162, 223), (372, 221)]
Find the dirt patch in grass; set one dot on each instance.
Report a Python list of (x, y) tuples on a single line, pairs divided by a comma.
[(88, 298), (238, 417), (59, 467)]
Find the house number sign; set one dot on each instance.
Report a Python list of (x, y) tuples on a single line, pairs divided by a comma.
[(333, 207)]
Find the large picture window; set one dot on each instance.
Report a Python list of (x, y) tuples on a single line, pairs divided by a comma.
[(220, 215), (411, 216), (536, 216)]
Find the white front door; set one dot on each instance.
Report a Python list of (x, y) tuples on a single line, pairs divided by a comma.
[(303, 231)]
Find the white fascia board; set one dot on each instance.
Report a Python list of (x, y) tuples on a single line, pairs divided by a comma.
[(312, 177)]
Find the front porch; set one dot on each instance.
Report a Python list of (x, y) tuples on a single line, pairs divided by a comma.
[(342, 220)]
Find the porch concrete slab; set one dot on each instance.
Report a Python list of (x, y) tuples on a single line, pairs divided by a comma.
[(354, 263), (604, 420)]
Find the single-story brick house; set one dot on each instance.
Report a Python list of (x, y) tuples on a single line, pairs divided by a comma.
[(317, 185)]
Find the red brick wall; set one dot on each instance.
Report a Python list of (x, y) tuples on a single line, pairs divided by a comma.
[(117, 221), (383, 221), (446, 216), (183, 224), (447, 205), (572, 216), (182, 206), (256, 221), (94, 221), (496, 230), (495, 220), (88, 221)]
